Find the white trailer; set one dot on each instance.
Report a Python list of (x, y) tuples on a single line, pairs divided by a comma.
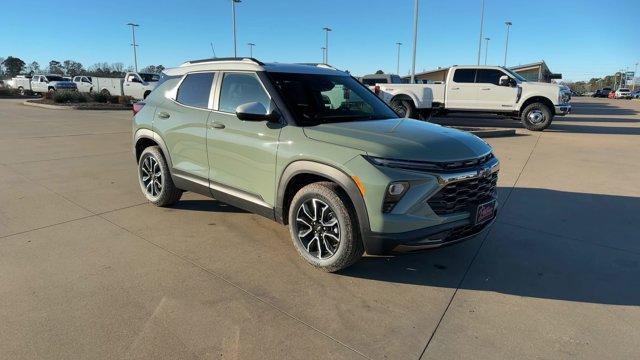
[(22, 83)]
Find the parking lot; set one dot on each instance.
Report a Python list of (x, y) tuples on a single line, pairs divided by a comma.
[(89, 270)]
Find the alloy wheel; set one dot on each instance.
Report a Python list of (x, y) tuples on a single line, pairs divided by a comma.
[(151, 175), (536, 116), (317, 228)]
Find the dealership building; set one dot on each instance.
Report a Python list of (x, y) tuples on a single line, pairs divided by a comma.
[(538, 71)]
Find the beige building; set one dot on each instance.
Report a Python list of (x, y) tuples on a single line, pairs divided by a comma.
[(538, 71)]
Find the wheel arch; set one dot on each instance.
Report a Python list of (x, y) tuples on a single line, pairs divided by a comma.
[(538, 99), (404, 96), (302, 172), (144, 138)]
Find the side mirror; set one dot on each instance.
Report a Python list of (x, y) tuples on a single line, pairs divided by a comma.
[(254, 111), (504, 80)]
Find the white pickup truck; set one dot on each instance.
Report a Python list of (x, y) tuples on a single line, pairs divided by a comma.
[(136, 85), (48, 83), (482, 89)]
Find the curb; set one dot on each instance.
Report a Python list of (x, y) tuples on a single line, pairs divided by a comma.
[(47, 106), (488, 132)]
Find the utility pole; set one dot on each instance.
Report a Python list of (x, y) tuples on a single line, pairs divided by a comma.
[(251, 45), (326, 44), (486, 49), (635, 74), (415, 41), (323, 56), (133, 35), (506, 44), (213, 51), (233, 15), (481, 28), (398, 63)]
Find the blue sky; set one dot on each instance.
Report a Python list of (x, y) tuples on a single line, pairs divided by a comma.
[(579, 38)]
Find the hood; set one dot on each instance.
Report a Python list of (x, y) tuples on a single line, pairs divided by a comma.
[(540, 85), (404, 139)]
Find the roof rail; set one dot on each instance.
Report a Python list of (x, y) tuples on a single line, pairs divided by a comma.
[(222, 59), (319, 65)]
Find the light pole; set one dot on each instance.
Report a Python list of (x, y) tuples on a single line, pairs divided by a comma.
[(233, 15), (506, 44), (398, 63), (486, 49), (213, 50), (326, 44), (481, 28), (635, 74), (133, 35), (251, 45), (323, 51), (415, 41)]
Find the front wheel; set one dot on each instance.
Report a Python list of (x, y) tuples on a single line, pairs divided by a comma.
[(536, 117), (154, 178), (323, 227), (21, 91)]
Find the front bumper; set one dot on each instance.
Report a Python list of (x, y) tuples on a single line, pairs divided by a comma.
[(562, 110), (422, 239)]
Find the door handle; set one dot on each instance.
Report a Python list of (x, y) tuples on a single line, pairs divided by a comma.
[(455, 88), (217, 125), (486, 88), (164, 115)]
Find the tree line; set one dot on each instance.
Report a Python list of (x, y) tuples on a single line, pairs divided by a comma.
[(611, 81), (12, 66)]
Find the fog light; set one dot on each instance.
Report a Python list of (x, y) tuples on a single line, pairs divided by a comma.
[(394, 193)]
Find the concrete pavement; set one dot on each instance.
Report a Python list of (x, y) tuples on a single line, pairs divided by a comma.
[(90, 270)]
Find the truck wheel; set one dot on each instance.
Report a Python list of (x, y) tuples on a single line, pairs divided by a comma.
[(404, 108), (105, 92), (52, 90), (536, 117), (323, 227), (154, 178), (21, 91)]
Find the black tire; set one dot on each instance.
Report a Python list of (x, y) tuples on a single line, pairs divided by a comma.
[(105, 92), (164, 195), (21, 91), (404, 108), (536, 117), (349, 247)]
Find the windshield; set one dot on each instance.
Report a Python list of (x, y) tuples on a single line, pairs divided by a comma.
[(317, 99), (624, 90), (515, 75), (55, 78), (150, 77)]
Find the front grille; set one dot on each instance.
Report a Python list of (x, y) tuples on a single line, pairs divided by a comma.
[(463, 195)]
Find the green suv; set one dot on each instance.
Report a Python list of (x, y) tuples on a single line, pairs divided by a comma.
[(310, 147)]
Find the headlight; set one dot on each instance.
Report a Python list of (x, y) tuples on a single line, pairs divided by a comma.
[(395, 191)]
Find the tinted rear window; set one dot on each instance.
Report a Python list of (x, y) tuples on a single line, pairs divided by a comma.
[(195, 90), (464, 75), (374, 81)]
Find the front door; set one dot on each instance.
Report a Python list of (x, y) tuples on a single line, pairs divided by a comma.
[(492, 96), (462, 90), (182, 123), (242, 154), (133, 86)]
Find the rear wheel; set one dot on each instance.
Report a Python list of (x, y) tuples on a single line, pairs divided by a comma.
[(21, 91), (536, 117), (105, 92), (154, 178), (404, 108), (323, 227)]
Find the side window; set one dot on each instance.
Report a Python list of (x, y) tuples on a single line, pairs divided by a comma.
[(195, 90), (241, 88), (489, 76), (464, 75), (76, 79)]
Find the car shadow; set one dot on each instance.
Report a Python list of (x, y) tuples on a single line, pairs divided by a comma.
[(546, 264)]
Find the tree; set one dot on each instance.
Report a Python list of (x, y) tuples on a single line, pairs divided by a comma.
[(55, 67), (13, 66), (72, 68), (379, 72), (153, 69), (33, 68)]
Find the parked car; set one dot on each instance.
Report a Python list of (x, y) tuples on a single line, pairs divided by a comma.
[(604, 92), (311, 147), (83, 83), (623, 93), (22, 83), (49, 83), (136, 85), (612, 94), (482, 89), (372, 79), (635, 94)]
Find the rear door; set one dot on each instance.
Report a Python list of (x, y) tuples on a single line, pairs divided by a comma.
[(462, 91), (492, 96), (242, 154), (182, 122)]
